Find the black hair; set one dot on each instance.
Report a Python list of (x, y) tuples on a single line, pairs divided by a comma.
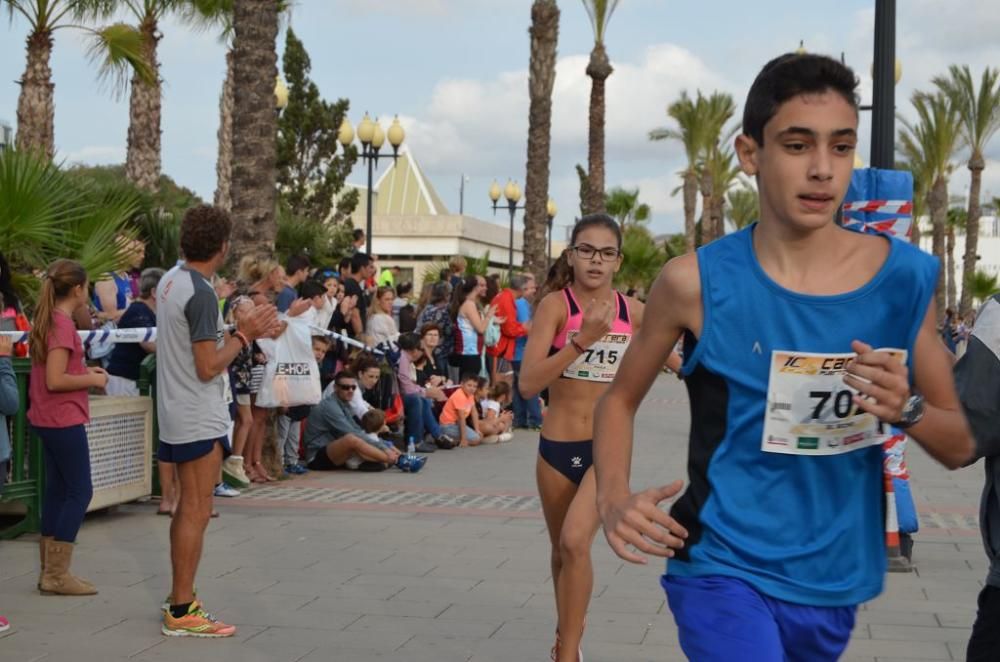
[(444, 274), (358, 233), (788, 76), (470, 377), (296, 263), (204, 230), (408, 342), (561, 273), (403, 289), (359, 261), (10, 299), (344, 374), (344, 266), (458, 295), (311, 288)]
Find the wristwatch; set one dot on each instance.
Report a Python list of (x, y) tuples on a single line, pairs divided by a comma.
[(913, 411)]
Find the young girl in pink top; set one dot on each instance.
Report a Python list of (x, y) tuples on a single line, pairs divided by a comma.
[(58, 411)]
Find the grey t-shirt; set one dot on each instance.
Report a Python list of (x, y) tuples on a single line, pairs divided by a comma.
[(328, 421), (977, 379), (187, 311)]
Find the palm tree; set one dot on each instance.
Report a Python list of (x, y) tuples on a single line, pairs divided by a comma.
[(717, 110), (690, 133), (46, 214), (544, 33), (142, 158), (744, 206), (723, 172), (642, 258), (918, 168), (624, 205), (116, 47), (934, 138), (955, 220), (982, 286), (979, 113), (599, 68), (254, 175)]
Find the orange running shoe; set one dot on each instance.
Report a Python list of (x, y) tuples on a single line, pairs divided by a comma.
[(196, 623)]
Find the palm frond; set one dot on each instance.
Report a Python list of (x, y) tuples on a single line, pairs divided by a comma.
[(119, 50), (600, 12)]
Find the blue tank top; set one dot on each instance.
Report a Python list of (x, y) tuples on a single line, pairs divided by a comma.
[(123, 284), (467, 341), (804, 529)]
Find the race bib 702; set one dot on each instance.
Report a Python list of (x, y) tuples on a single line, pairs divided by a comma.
[(811, 411)]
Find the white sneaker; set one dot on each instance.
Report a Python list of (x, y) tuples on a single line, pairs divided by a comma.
[(223, 490), (506, 436), (233, 472), (491, 439)]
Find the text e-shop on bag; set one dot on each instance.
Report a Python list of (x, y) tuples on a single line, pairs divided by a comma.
[(291, 377)]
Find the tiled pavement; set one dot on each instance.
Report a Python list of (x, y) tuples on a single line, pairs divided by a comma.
[(447, 565)]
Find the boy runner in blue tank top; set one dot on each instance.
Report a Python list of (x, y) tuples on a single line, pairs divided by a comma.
[(800, 338)]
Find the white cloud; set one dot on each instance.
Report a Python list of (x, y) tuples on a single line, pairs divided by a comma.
[(96, 155), (479, 127)]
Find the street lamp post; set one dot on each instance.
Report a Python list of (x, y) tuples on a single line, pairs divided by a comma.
[(884, 91), (550, 209), (512, 192), (372, 137), (280, 95)]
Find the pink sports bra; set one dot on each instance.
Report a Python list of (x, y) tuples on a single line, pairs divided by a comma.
[(574, 319)]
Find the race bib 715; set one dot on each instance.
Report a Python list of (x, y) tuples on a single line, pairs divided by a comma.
[(599, 362)]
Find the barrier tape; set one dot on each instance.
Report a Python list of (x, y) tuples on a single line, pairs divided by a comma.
[(901, 207), (148, 334)]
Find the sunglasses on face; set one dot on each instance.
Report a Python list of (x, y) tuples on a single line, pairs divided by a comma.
[(347, 387)]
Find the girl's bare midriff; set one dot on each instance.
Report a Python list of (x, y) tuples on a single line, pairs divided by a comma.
[(570, 416)]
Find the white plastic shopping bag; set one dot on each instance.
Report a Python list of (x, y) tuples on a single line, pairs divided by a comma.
[(291, 377)]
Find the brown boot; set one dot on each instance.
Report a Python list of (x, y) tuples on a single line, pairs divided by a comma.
[(57, 578), (42, 542)]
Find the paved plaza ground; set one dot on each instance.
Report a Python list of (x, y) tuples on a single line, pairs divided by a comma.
[(449, 565)]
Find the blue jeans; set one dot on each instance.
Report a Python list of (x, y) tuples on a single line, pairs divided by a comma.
[(68, 488), (527, 413), (419, 418), (452, 430)]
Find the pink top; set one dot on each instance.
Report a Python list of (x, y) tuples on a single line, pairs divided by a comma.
[(574, 319), (63, 409)]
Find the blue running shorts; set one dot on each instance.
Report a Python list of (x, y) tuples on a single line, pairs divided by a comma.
[(720, 619)]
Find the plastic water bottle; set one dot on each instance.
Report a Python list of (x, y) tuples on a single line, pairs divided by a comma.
[(411, 448)]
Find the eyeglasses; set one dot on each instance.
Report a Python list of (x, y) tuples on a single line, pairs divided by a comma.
[(347, 387), (587, 252)]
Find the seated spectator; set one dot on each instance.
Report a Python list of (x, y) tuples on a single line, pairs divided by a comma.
[(496, 420), (373, 422), (381, 326), (419, 422), (458, 418), (113, 293), (123, 364), (430, 370), (335, 440), (403, 311), (436, 312)]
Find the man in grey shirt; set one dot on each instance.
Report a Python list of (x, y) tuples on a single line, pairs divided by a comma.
[(192, 388), (977, 379), (334, 439)]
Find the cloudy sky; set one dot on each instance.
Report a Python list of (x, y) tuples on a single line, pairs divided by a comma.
[(456, 73)]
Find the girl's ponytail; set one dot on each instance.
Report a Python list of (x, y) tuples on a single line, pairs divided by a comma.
[(560, 275)]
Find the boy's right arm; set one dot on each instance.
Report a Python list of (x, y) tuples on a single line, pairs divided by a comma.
[(633, 519)]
